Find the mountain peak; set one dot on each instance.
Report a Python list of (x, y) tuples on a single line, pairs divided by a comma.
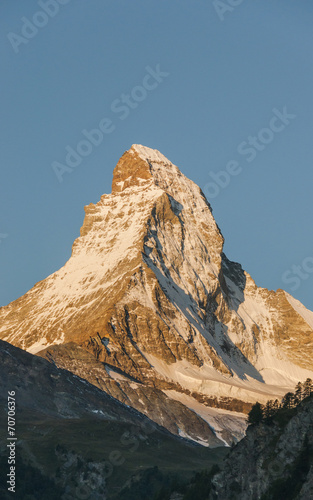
[(149, 154), (149, 292), (135, 168)]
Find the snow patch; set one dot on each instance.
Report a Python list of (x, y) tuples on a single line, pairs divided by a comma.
[(38, 346), (115, 375), (146, 153), (219, 420)]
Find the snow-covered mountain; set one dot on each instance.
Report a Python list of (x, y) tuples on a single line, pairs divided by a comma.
[(150, 294)]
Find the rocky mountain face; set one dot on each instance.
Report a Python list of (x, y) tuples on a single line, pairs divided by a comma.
[(274, 461), (149, 309)]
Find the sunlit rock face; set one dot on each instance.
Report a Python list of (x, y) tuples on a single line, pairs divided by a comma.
[(150, 295)]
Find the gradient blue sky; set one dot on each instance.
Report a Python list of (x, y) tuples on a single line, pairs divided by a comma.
[(225, 78)]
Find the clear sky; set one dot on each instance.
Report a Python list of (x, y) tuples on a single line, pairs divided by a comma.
[(234, 96)]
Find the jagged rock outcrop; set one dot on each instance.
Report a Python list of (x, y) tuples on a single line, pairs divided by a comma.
[(274, 460), (149, 293)]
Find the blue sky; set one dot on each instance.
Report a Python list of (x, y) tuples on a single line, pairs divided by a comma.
[(227, 72)]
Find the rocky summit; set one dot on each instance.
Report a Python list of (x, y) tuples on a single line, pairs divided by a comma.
[(150, 310)]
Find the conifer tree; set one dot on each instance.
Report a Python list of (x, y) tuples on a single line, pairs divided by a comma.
[(256, 414), (298, 393), (288, 400), (307, 388), (268, 410), (276, 405)]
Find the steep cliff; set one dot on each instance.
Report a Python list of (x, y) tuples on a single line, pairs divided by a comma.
[(274, 461)]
